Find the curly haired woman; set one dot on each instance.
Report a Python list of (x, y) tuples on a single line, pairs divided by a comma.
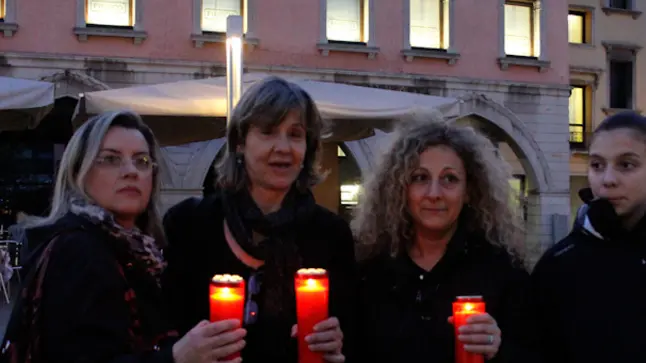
[(435, 223)]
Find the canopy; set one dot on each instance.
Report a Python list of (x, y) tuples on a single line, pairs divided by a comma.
[(195, 110), (24, 103)]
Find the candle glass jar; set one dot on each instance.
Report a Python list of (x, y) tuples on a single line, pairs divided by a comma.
[(227, 296), (463, 307), (312, 290)]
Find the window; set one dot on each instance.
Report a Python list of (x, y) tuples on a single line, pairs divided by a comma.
[(621, 84), (111, 12), (576, 27), (348, 20), (521, 30), (215, 13), (577, 115), (620, 4), (429, 24), (3, 9)]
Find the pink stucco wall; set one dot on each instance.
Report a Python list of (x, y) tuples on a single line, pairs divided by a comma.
[(288, 31)]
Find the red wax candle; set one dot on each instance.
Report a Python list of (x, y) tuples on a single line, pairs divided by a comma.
[(226, 295), (312, 286), (464, 307)]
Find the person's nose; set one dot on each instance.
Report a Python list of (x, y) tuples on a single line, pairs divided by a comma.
[(281, 143), (609, 178)]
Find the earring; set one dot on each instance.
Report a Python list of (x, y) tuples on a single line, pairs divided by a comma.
[(239, 159)]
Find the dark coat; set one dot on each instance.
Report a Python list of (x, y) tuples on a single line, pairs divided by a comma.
[(404, 309), (198, 250), (85, 314)]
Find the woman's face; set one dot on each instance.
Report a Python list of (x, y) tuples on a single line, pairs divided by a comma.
[(121, 179), (273, 156), (437, 190), (617, 172)]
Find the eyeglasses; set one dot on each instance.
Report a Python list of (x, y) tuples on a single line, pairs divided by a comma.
[(253, 290), (143, 163)]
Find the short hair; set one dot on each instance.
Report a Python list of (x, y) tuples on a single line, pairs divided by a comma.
[(266, 104)]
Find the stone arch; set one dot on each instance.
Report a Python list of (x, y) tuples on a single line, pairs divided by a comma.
[(511, 129), (70, 83)]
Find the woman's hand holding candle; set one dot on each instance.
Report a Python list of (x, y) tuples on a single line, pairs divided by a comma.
[(480, 335), (327, 339), (210, 342)]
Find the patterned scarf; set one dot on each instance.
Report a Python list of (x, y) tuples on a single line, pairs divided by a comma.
[(142, 247)]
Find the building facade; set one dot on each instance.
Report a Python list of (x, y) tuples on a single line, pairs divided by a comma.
[(506, 60), (606, 60)]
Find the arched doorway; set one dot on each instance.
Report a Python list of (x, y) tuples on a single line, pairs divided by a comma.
[(349, 182), (29, 160)]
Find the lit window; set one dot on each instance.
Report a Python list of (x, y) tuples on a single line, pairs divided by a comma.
[(520, 30), (111, 12), (350, 194), (347, 20), (215, 13), (429, 24), (577, 114), (3, 9), (339, 152), (576, 27)]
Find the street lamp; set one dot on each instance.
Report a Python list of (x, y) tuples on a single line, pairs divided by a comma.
[(234, 62)]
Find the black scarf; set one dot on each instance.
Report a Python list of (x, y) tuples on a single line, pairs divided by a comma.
[(275, 242)]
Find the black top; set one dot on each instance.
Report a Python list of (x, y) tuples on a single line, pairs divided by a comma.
[(85, 316), (404, 308), (590, 293), (198, 250)]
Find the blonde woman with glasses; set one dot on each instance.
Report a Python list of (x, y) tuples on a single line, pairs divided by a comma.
[(92, 293)]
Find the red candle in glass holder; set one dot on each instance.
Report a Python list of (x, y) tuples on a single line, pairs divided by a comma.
[(464, 307), (226, 297), (312, 289)]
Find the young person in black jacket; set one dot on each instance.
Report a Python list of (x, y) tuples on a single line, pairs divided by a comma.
[(436, 223), (589, 289), (263, 224)]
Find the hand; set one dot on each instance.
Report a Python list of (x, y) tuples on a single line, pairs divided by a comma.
[(327, 338), (210, 342), (480, 335)]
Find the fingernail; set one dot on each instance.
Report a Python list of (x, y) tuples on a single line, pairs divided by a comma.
[(308, 338), (462, 329)]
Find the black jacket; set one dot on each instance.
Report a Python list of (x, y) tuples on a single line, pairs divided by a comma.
[(404, 309), (198, 250), (85, 316), (589, 293)]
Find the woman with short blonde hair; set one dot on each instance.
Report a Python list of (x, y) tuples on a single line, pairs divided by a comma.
[(263, 224)]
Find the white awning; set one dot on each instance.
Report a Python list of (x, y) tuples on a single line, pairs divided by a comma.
[(195, 110), (24, 103)]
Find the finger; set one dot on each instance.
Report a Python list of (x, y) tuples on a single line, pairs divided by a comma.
[(481, 349), (334, 358), (450, 320), (329, 347), (227, 338), (480, 318), (294, 330), (479, 329), (330, 323), (218, 327), (325, 336), (478, 339), (227, 350)]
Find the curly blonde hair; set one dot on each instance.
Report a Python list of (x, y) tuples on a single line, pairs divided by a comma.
[(382, 220)]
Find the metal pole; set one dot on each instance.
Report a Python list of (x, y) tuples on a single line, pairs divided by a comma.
[(234, 62)]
